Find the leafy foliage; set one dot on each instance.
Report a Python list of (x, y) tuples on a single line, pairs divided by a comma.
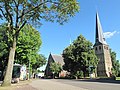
[(79, 56), (40, 61), (32, 11), (55, 67), (16, 13), (3, 48), (115, 64), (28, 46)]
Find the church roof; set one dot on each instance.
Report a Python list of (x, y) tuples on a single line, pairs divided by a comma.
[(99, 32), (58, 59)]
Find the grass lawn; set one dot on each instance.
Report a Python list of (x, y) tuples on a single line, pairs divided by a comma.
[(117, 78)]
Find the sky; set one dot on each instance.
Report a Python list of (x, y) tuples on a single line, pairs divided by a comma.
[(55, 37)]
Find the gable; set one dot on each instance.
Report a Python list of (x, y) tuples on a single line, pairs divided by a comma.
[(58, 59)]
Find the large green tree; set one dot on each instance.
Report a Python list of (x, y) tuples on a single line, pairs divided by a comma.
[(16, 13), (79, 56), (55, 68), (115, 63), (4, 47), (28, 46), (40, 61)]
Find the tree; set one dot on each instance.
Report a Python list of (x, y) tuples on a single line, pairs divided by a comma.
[(55, 68), (79, 56), (115, 63), (4, 48), (28, 46), (16, 13), (40, 61)]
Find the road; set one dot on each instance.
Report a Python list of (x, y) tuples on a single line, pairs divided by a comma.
[(62, 84), (52, 84), (92, 84)]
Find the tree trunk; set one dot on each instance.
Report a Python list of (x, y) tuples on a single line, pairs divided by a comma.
[(8, 74), (76, 77), (84, 74)]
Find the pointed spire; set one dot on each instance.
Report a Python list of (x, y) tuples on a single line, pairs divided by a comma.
[(99, 32)]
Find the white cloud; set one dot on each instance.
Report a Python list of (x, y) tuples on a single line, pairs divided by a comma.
[(118, 32), (110, 34)]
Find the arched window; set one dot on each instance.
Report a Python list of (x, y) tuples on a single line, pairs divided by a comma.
[(96, 48), (99, 47)]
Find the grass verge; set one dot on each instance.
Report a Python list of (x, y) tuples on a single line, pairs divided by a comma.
[(117, 78)]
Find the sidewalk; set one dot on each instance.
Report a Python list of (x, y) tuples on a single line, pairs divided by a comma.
[(23, 85), (44, 84)]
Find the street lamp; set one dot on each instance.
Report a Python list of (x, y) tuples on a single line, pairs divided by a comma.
[(28, 73), (29, 69)]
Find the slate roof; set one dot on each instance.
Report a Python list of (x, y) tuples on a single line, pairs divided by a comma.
[(99, 32), (58, 59)]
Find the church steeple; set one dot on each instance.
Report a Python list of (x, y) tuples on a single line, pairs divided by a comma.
[(99, 33), (102, 51)]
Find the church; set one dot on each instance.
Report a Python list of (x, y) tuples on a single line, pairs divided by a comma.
[(56, 59), (102, 51)]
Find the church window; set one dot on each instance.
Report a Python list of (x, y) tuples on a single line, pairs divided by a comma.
[(99, 47), (104, 47), (96, 48), (107, 48)]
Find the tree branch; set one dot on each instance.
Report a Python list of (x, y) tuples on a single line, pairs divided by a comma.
[(22, 25), (18, 30), (9, 15), (2, 12), (32, 9), (22, 14), (16, 5)]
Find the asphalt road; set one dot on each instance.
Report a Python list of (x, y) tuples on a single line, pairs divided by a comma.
[(52, 84), (93, 84), (64, 84)]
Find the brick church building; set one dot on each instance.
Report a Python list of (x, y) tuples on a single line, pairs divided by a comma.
[(102, 51)]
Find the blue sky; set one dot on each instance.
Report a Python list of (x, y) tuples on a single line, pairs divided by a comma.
[(55, 38)]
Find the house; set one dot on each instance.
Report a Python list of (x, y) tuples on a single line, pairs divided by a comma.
[(56, 59)]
